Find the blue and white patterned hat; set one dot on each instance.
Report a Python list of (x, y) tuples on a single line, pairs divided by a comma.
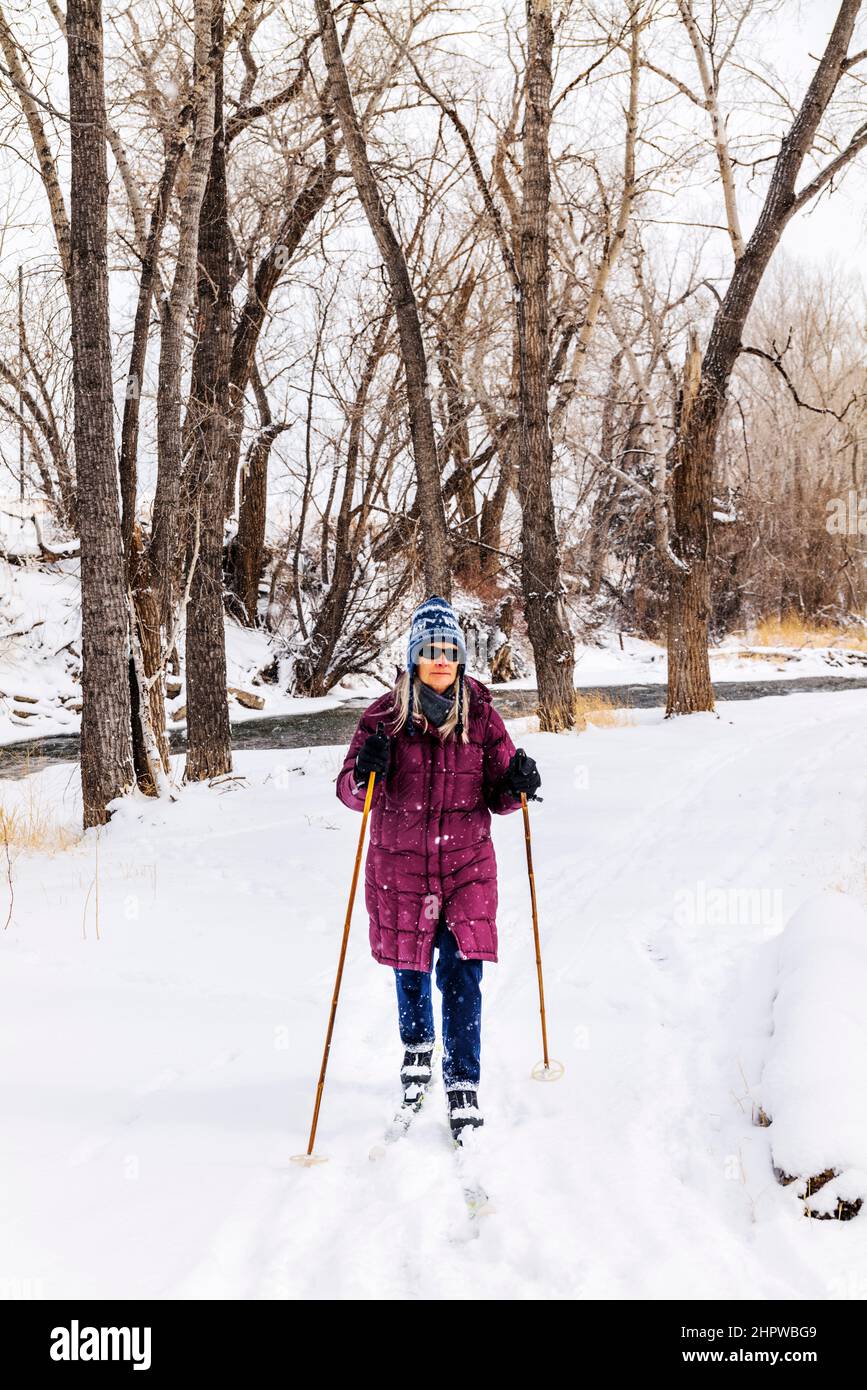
[(435, 621)]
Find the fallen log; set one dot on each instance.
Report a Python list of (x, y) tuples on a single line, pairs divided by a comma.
[(246, 698)]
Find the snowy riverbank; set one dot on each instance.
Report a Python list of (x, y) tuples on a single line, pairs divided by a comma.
[(40, 692)]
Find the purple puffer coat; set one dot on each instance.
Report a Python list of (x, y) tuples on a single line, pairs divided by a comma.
[(430, 833)]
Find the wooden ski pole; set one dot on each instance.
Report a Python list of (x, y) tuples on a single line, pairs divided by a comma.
[(309, 1157), (545, 1070)]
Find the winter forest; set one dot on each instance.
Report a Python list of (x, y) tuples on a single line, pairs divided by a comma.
[(311, 310)]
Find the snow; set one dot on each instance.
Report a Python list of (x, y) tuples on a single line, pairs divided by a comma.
[(40, 658), (40, 649), (814, 1085), (159, 1076)]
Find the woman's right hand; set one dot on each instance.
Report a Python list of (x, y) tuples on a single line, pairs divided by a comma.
[(373, 755)]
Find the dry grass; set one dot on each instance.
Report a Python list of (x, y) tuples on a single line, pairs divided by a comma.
[(595, 708), (792, 631), (600, 711), (32, 828), (746, 655), (854, 884)]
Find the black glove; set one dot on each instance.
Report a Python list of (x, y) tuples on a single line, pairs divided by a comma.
[(523, 776), (373, 755)]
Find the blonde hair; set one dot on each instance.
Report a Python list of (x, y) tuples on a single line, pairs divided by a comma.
[(401, 706)]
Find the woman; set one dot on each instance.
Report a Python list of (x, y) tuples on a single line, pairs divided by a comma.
[(443, 764)]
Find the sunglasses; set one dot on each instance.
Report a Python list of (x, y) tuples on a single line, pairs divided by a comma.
[(432, 651)]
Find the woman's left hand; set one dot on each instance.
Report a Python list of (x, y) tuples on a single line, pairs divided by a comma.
[(523, 775)]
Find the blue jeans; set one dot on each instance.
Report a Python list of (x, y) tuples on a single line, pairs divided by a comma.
[(459, 982)]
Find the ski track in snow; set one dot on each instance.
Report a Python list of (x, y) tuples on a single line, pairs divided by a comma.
[(162, 1077)]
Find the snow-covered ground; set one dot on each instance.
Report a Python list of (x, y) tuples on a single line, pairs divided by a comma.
[(40, 646), (819, 1046), (40, 659), (157, 1079)]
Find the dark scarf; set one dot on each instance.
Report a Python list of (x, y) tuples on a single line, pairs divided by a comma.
[(437, 707)]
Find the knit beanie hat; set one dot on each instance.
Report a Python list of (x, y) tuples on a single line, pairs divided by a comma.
[(435, 621)]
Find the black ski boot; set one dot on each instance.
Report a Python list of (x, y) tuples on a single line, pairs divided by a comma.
[(463, 1113), (415, 1075)]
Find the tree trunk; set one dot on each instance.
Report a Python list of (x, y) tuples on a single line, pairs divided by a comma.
[(146, 611), (689, 684), (450, 351), (502, 665), (209, 748), (248, 548), (138, 352), (166, 512), (705, 388), (249, 545), (106, 757), (545, 616), (434, 534), (506, 438), (149, 742)]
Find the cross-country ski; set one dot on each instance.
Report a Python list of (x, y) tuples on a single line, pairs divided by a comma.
[(416, 1075)]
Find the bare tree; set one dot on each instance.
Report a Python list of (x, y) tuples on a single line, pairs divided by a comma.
[(106, 755), (209, 743), (434, 535), (706, 376), (175, 310), (246, 559), (542, 587), (33, 112)]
